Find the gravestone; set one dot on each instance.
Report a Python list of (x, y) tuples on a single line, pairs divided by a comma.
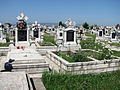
[(100, 33), (70, 34), (22, 32), (36, 31), (22, 28), (118, 34), (113, 35), (2, 36), (103, 31), (59, 35)]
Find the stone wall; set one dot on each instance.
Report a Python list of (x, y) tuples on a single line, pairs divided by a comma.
[(84, 67), (55, 48)]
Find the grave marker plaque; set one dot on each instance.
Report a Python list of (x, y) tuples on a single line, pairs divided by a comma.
[(100, 33), (70, 35), (36, 33), (22, 35), (113, 35)]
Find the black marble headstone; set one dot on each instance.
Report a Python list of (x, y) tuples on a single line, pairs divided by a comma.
[(113, 35), (103, 31), (22, 35), (70, 35), (100, 33), (36, 33), (60, 34)]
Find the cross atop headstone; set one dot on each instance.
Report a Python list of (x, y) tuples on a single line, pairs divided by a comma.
[(70, 23), (22, 17), (36, 24)]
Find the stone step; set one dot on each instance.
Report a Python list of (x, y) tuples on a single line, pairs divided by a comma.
[(31, 67), (32, 71), (35, 75), (23, 43), (29, 61), (38, 84)]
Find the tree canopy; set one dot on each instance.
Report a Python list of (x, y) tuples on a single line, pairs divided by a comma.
[(86, 25)]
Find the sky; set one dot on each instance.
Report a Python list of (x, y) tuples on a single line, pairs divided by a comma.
[(100, 12)]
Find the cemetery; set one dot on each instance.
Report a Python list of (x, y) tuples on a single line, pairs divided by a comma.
[(54, 53)]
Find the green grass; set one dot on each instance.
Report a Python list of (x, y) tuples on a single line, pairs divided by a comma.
[(48, 40), (91, 35), (66, 57), (46, 44), (103, 81), (115, 44), (4, 44), (98, 56), (78, 57), (116, 53), (90, 44)]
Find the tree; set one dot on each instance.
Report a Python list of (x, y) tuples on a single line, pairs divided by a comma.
[(117, 26), (2, 26), (60, 23), (86, 25), (9, 24), (91, 27)]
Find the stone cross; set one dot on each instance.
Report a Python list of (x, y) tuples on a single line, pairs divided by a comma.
[(22, 17), (69, 22), (36, 23)]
